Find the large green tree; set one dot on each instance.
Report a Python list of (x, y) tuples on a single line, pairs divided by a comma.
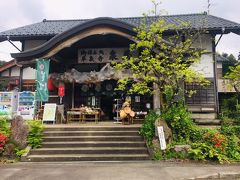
[(164, 61)]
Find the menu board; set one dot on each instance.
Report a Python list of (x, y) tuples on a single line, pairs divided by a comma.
[(26, 104), (49, 112)]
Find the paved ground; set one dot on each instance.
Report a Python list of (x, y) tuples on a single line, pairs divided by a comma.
[(116, 171)]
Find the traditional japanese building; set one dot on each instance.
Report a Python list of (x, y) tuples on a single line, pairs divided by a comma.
[(80, 52)]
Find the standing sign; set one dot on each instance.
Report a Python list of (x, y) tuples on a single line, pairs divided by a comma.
[(161, 138), (42, 80), (26, 104), (49, 112)]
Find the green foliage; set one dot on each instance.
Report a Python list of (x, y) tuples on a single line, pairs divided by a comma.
[(233, 77), (20, 152), (169, 153), (153, 60), (230, 110), (148, 127), (35, 134), (4, 126), (205, 151), (233, 148), (180, 122)]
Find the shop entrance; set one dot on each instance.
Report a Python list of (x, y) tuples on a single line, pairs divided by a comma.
[(99, 96)]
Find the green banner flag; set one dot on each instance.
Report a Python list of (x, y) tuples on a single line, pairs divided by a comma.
[(42, 79)]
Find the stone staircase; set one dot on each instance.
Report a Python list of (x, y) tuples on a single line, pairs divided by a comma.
[(96, 143), (204, 116)]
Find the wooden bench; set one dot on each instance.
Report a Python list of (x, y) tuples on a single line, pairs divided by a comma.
[(91, 116), (74, 114)]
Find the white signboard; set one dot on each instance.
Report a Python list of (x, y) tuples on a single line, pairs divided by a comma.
[(49, 112), (161, 138), (101, 55)]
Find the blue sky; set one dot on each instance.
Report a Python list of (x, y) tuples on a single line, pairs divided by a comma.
[(16, 13)]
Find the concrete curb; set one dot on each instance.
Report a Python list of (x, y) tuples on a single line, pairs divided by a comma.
[(221, 175)]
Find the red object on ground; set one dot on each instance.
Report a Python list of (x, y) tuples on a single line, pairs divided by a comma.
[(51, 86), (61, 90)]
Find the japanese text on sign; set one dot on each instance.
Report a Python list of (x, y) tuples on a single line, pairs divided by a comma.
[(161, 138), (101, 55)]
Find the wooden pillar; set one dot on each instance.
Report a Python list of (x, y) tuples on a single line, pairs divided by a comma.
[(156, 98), (73, 88), (21, 79)]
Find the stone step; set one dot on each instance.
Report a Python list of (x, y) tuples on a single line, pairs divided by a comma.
[(93, 133), (208, 121), (94, 144), (90, 150), (86, 157), (204, 115), (94, 128), (91, 138), (210, 126)]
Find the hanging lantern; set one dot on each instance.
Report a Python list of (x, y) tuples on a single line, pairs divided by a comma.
[(61, 90), (51, 86)]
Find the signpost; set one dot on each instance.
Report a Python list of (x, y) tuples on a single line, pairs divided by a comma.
[(161, 138), (49, 112)]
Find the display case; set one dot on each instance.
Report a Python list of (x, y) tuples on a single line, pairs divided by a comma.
[(26, 104), (8, 103)]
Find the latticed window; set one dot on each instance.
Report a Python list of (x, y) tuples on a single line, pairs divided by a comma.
[(203, 95)]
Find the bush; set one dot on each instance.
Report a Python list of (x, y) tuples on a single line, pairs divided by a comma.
[(148, 128), (4, 126), (35, 134), (205, 151), (20, 152), (3, 140), (233, 148), (180, 122)]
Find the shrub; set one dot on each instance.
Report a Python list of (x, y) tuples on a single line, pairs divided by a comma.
[(180, 122), (35, 134), (205, 151), (3, 140), (4, 126), (233, 148), (148, 128), (20, 152)]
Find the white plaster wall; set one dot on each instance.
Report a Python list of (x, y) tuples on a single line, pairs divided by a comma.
[(15, 71), (29, 73), (205, 66), (204, 42), (5, 73), (29, 44)]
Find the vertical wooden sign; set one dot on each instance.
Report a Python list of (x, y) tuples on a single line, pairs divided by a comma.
[(161, 136)]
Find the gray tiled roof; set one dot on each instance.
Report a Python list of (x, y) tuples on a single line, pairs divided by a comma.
[(220, 58), (53, 27)]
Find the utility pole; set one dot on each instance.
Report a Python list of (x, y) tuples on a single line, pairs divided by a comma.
[(208, 7), (156, 4)]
